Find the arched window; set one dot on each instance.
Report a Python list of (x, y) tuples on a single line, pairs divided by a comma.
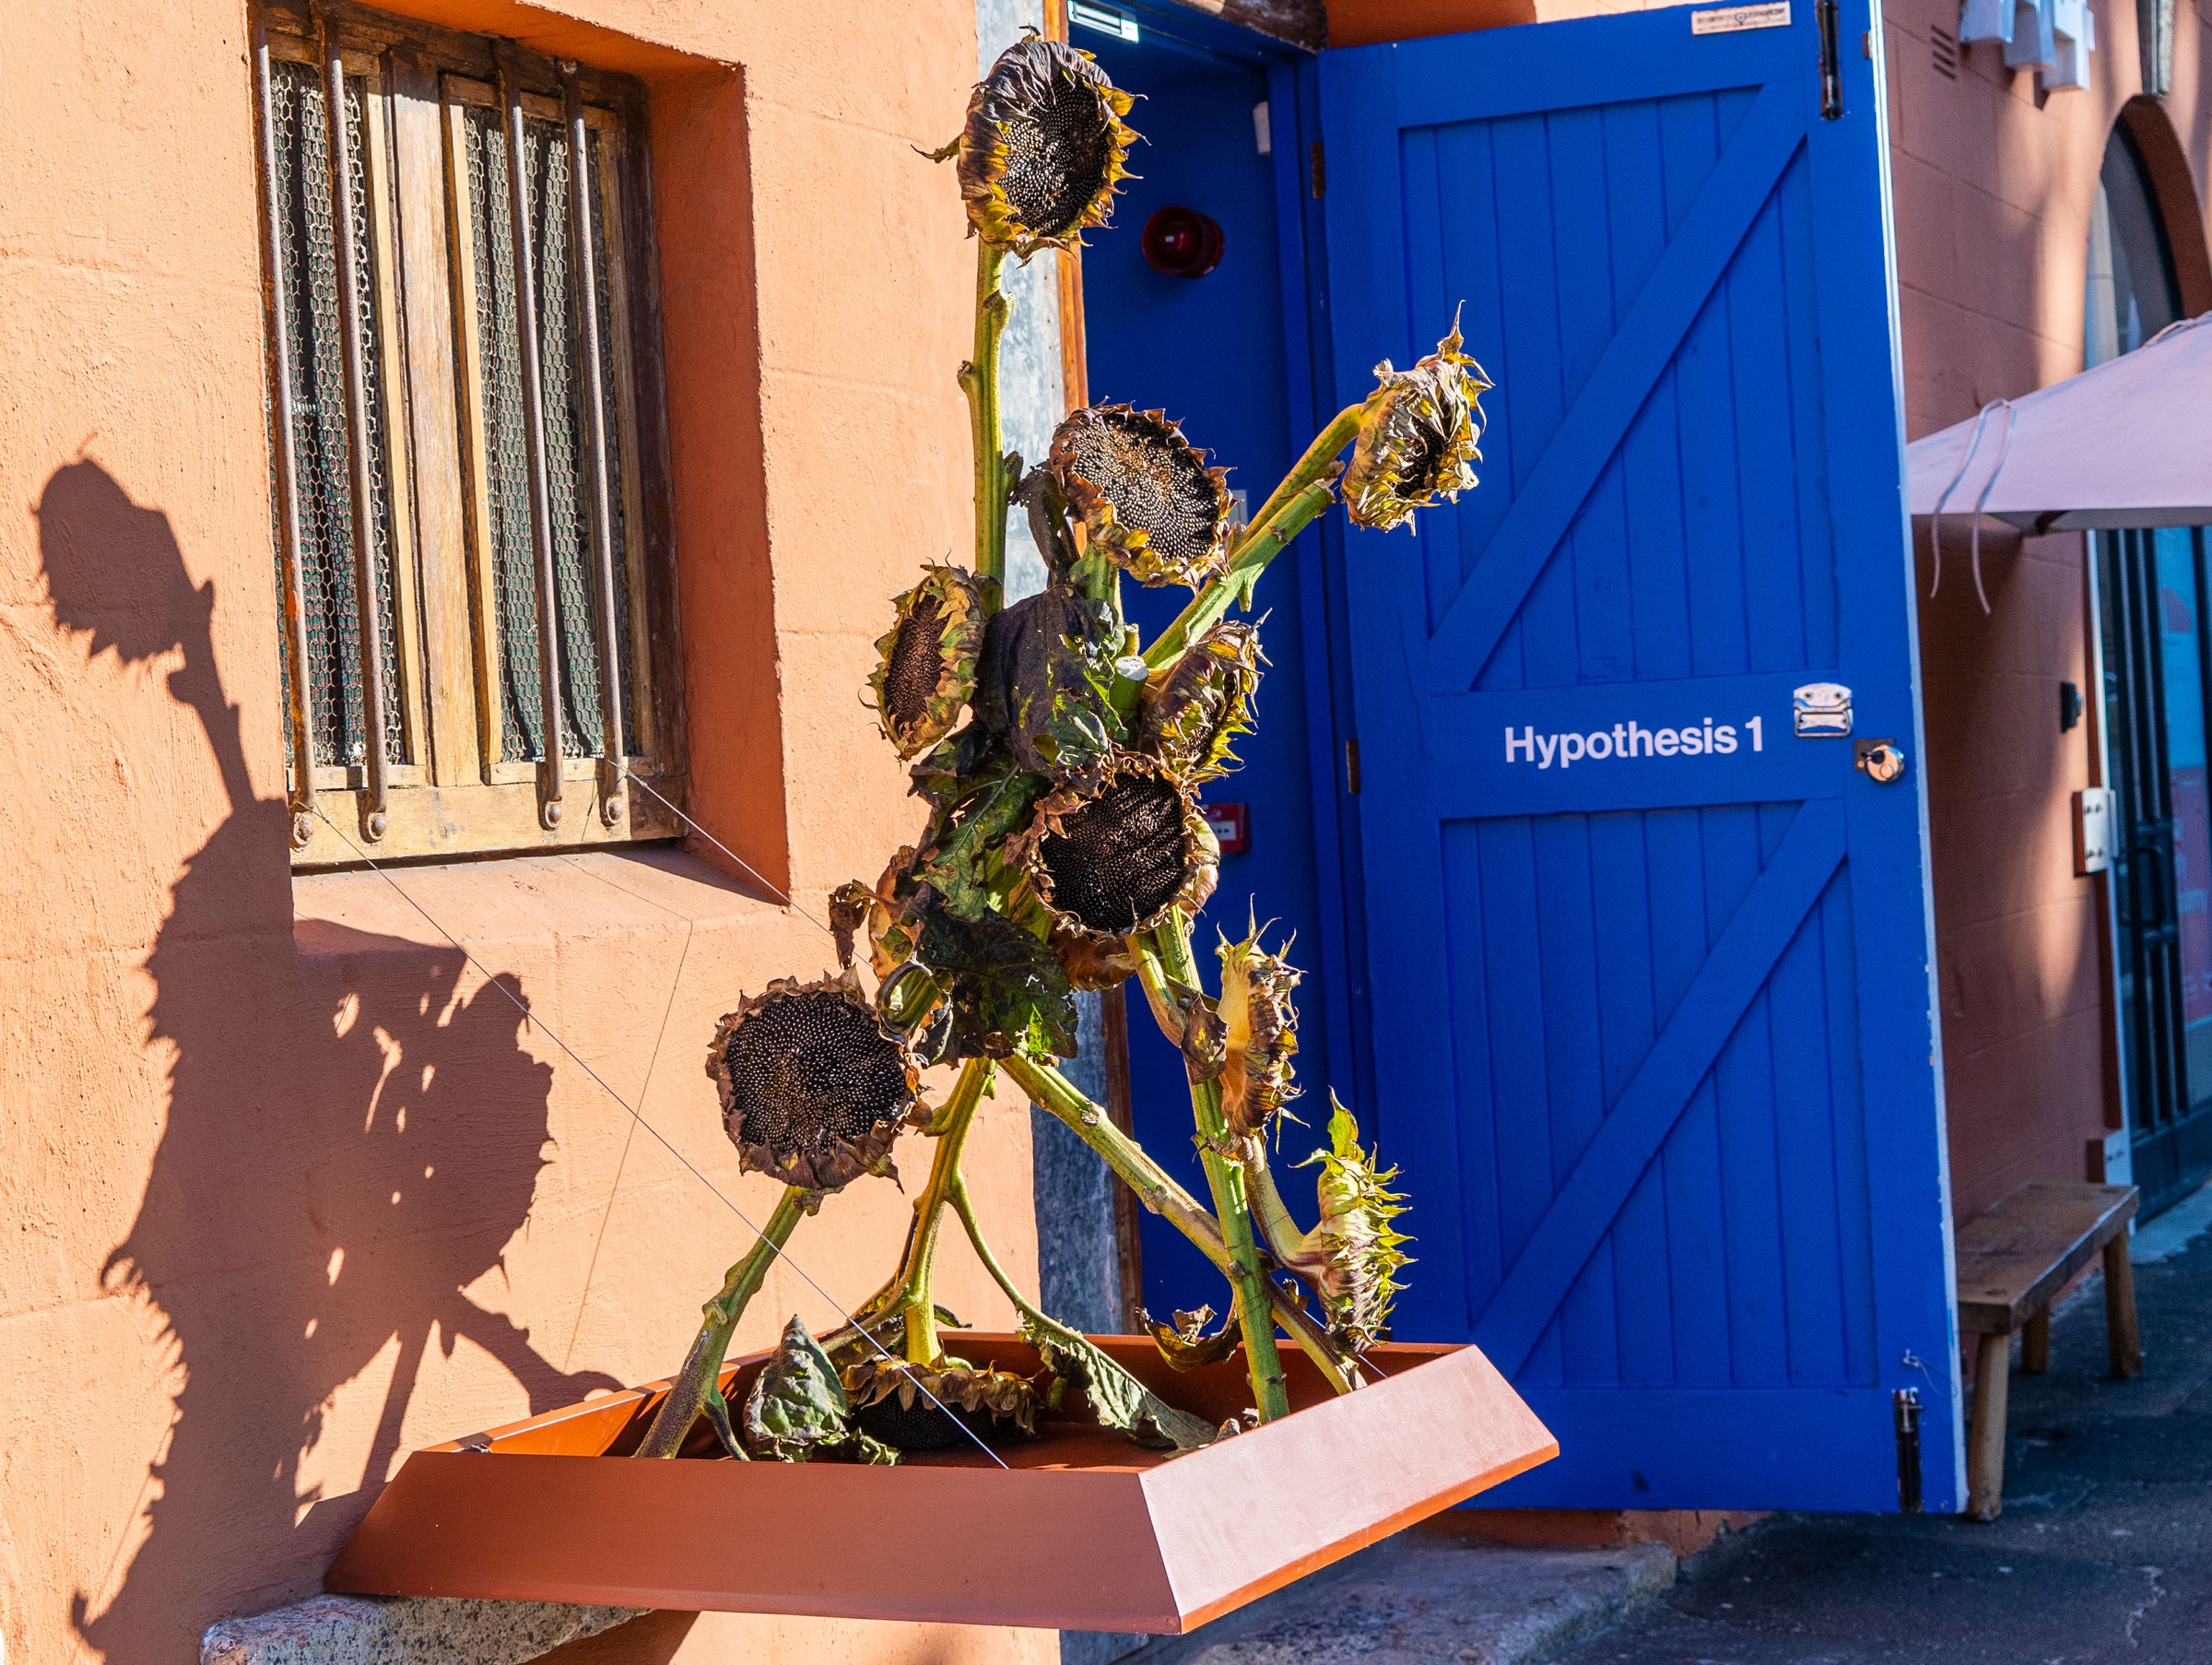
[(2132, 294)]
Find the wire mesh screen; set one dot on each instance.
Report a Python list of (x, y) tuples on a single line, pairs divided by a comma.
[(308, 291), (567, 437)]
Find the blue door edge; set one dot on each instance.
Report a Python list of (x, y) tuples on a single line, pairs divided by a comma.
[(1898, 1367)]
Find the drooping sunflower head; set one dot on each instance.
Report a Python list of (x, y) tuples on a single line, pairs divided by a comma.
[(1144, 493), (1119, 857), (1261, 1032), (1362, 1249), (814, 1087), (1197, 707), (926, 669), (921, 1408), (1417, 435), (1044, 149)]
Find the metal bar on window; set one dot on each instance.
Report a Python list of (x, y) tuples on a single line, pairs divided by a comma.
[(611, 749), (534, 432), (339, 150), (286, 460)]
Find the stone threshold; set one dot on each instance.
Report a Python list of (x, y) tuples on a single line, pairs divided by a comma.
[(404, 1630)]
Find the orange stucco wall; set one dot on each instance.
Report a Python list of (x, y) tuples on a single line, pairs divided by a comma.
[(287, 1187), (1993, 196)]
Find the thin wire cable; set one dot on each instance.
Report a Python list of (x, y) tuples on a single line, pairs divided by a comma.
[(1982, 503), (1973, 444), (782, 1254), (780, 895)]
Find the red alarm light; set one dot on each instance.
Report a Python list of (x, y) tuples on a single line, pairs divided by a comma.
[(1181, 242)]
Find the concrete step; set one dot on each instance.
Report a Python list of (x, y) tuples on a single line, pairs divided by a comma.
[(1415, 1599)]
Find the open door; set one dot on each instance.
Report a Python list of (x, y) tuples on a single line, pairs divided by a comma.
[(1649, 941)]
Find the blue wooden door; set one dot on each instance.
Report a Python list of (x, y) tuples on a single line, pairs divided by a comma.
[(1650, 971)]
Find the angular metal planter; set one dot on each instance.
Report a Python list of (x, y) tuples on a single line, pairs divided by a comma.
[(1081, 1532)]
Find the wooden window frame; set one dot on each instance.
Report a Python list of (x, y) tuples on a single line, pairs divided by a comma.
[(455, 796)]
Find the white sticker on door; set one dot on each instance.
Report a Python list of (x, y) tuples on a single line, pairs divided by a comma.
[(1727, 20)]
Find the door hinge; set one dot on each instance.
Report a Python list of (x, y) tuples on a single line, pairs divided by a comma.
[(1351, 766), (1832, 68), (1906, 1407), (1318, 168)]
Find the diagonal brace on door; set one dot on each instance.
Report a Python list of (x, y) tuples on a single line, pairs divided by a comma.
[(1639, 1120), (1727, 206)]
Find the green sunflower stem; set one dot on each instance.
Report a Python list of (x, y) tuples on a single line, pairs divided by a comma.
[(1310, 469), (1232, 1208), (979, 378), (914, 1299), (1156, 1189), (698, 1384), (1279, 1229), (1263, 540), (1028, 1309)]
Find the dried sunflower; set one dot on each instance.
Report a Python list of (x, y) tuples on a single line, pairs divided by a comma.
[(1261, 1036), (1417, 435), (921, 1408), (1044, 682), (1108, 862), (814, 1088), (1352, 1256), (1093, 963), (1044, 148), (1144, 493), (927, 668), (1197, 707)]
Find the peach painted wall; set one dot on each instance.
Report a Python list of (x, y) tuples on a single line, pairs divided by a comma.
[(1993, 198), (288, 1187)]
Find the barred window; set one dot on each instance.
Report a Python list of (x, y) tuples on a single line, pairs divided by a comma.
[(477, 651)]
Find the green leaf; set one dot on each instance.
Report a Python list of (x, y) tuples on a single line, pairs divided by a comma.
[(1009, 990), (799, 1405), (967, 867), (1117, 1398)]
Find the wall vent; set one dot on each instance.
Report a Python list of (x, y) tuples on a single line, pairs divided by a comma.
[(1943, 48)]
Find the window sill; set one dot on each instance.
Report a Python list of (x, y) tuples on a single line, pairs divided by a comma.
[(407, 1630), (576, 893)]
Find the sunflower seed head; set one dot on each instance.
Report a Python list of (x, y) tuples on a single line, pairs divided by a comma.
[(894, 1399), (926, 665), (1144, 495), (814, 1088), (1118, 858), (1418, 437), (1044, 149), (1196, 708)]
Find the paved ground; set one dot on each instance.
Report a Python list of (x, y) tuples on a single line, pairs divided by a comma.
[(2104, 1552)]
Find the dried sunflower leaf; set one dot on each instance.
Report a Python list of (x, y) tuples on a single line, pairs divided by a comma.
[(1186, 1346), (1117, 1398), (799, 1405), (966, 868), (1044, 684), (1009, 991)]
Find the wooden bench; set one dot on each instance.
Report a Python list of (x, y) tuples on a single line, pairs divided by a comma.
[(2012, 1261)]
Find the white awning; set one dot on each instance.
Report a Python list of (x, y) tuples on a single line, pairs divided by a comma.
[(2128, 443)]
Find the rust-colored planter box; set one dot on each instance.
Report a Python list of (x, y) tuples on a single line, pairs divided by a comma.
[(1086, 1532)]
